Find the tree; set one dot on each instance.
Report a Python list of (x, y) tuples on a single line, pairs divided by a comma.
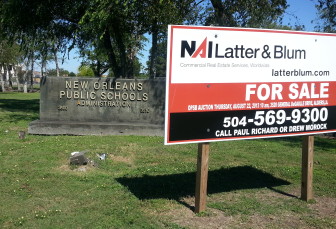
[(40, 25), (160, 64), (117, 32), (85, 70), (72, 74), (61, 72), (157, 14), (110, 33), (217, 12), (96, 59), (114, 28), (44, 58), (246, 13), (10, 56), (327, 13)]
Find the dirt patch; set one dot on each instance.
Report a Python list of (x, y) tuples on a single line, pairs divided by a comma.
[(124, 154), (127, 160), (325, 206), (79, 169), (318, 215), (129, 148), (328, 136), (213, 219)]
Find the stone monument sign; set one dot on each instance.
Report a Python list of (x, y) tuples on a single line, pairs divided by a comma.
[(100, 106)]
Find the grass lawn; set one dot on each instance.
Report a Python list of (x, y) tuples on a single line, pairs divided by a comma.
[(144, 184)]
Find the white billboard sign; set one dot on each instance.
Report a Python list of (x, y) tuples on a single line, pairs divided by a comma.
[(231, 83)]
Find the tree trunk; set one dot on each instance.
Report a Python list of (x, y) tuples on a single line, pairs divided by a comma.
[(32, 73), (42, 73), (130, 64), (17, 78), (56, 61), (222, 18), (122, 50), (152, 67), (3, 89), (6, 75), (2, 84), (42, 66), (25, 85), (26, 75), (9, 70), (111, 55), (98, 69)]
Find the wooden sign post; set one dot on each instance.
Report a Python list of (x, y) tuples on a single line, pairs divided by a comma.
[(202, 177), (307, 168)]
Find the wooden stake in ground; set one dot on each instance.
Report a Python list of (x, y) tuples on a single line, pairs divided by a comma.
[(307, 168), (202, 177)]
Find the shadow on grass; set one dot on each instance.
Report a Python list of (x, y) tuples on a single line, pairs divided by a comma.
[(320, 142), (21, 117), (30, 105), (294, 141), (26, 106), (325, 143), (177, 186)]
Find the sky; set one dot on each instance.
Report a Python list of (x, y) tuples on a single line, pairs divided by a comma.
[(305, 12), (301, 12)]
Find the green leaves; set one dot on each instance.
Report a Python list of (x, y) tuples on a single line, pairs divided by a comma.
[(9, 54), (85, 70), (246, 13), (114, 29), (327, 13)]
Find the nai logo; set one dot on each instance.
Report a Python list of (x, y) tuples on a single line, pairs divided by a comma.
[(203, 50)]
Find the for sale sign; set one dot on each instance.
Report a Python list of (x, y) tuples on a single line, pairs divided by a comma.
[(234, 83)]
